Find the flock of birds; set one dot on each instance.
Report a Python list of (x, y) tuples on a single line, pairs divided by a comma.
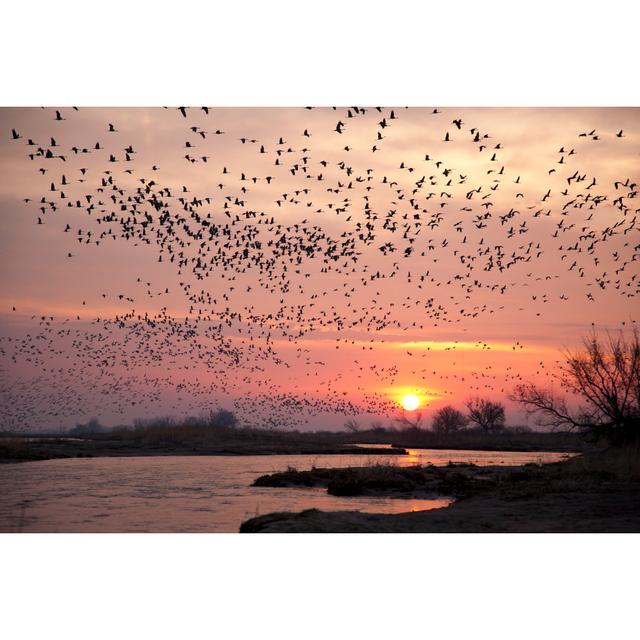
[(296, 243)]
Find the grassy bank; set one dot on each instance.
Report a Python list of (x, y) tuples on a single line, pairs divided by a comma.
[(589, 493), (196, 437), (169, 439), (457, 480)]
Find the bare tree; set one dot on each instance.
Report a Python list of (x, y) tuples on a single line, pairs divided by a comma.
[(352, 425), (486, 414), (405, 422), (449, 420), (605, 378)]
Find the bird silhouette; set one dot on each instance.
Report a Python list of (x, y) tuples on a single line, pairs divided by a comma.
[(267, 238)]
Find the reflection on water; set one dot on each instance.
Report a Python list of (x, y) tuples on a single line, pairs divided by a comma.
[(192, 493), (480, 458)]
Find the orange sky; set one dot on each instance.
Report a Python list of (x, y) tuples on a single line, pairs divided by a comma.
[(420, 306)]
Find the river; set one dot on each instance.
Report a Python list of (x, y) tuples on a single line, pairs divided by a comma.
[(195, 493)]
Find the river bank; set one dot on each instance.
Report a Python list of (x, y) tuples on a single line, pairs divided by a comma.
[(181, 440), (589, 493), (25, 450)]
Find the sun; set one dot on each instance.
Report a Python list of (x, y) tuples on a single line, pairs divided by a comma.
[(410, 402)]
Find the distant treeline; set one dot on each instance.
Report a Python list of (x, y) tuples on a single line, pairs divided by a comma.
[(507, 439), (222, 426), (218, 419)]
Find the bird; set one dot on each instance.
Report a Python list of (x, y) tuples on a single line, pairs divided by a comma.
[(304, 238)]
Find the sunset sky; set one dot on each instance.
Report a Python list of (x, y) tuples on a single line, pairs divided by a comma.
[(445, 252)]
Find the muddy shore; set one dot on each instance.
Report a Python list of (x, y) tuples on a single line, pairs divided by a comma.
[(585, 494)]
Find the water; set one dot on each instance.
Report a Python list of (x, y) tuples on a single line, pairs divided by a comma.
[(193, 493), (440, 457)]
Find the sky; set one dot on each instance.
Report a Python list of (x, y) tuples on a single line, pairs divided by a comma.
[(302, 267)]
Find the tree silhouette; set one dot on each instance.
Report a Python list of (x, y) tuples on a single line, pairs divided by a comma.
[(486, 414), (352, 425), (222, 418), (449, 420), (605, 377)]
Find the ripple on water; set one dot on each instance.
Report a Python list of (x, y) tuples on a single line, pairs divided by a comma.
[(195, 493)]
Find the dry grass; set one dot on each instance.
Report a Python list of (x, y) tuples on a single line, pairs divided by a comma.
[(621, 463), (609, 472), (384, 478)]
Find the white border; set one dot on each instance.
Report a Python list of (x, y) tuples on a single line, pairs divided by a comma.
[(291, 53), (287, 53), (318, 586)]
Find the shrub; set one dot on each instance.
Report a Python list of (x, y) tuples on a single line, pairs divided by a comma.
[(449, 420)]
